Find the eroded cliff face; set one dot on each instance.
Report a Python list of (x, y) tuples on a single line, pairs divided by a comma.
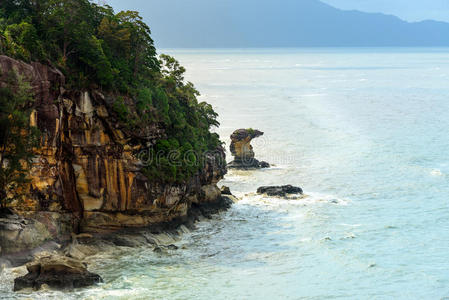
[(86, 175)]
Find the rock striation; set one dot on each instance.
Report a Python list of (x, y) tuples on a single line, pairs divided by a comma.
[(242, 150), (86, 176)]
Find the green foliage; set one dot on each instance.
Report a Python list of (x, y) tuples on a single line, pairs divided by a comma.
[(17, 138), (114, 51), (21, 41), (188, 125), (98, 49), (121, 109)]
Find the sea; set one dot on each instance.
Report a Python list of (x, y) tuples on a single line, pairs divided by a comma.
[(363, 131)]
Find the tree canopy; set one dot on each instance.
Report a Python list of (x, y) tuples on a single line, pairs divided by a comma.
[(98, 49)]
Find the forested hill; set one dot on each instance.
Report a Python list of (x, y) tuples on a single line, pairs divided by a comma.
[(112, 53), (278, 23)]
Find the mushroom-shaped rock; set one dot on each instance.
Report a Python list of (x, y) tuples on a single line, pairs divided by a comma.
[(57, 272), (241, 149)]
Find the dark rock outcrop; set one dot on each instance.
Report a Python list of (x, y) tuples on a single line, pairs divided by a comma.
[(280, 191), (57, 272), (225, 190), (241, 149)]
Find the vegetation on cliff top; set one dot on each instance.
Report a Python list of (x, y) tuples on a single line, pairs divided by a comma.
[(98, 49)]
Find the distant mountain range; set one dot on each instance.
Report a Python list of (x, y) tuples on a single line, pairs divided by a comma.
[(278, 23)]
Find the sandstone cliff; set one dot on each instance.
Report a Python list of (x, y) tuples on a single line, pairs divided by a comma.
[(86, 175)]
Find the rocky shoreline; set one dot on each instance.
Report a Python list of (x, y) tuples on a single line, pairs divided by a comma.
[(87, 175), (87, 191), (62, 265)]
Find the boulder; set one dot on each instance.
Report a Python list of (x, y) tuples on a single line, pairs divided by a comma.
[(264, 164), (57, 272), (225, 190), (241, 149), (280, 191)]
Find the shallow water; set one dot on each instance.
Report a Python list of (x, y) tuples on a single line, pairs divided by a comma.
[(363, 132)]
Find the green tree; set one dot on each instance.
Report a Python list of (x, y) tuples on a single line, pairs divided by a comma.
[(17, 138), (98, 49), (24, 42), (67, 26), (143, 52)]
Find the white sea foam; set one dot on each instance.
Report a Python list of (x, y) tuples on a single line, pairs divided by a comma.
[(351, 225), (279, 203), (313, 95), (436, 172)]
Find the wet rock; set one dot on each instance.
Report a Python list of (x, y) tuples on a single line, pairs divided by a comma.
[(19, 234), (241, 149), (248, 165), (280, 191), (264, 164), (230, 199), (80, 251), (225, 190), (131, 241), (157, 249), (207, 210), (6, 212), (57, 272), (172, 247), (4, 263)]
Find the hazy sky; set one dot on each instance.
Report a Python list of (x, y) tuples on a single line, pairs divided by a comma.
[(410, 10), (289, 23)]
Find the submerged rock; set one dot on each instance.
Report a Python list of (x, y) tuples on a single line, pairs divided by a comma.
[(57, 272), (157, 249), (280, 191), (241, 149), (172, 247), (264, 164)]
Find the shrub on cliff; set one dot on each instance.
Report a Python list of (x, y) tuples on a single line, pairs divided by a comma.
[(17, 138)]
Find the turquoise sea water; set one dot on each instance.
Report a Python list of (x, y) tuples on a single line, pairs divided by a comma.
[(364, 132)]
